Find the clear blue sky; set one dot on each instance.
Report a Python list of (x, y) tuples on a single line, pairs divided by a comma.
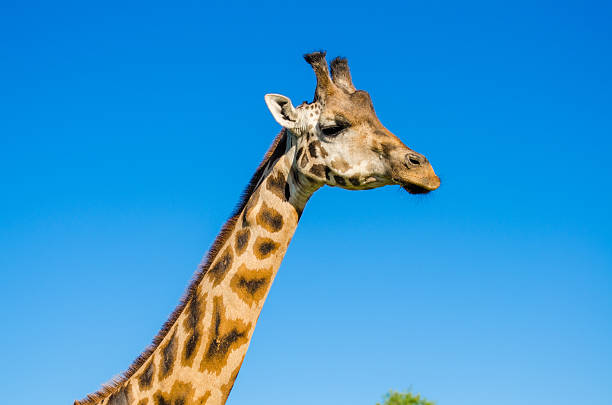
[(129, 129)]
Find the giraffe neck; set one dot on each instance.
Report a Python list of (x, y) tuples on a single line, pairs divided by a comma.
[(198, 359)]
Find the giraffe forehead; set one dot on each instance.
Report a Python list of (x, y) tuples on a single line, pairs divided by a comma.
[(355, 107)]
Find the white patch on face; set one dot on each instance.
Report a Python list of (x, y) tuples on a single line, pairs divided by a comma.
[(308, 117)]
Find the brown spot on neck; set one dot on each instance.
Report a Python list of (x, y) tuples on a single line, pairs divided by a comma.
[(181, 393), (194, 328), (145, 378), (222, 265), (224, 336), (269, 218), (264, 247), (168, 357), (251, 285), (249, 205), (123, 396), (276, 184), (242, 240)]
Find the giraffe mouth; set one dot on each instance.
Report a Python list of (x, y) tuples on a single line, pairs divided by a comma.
[(414, 188), (421, 187)]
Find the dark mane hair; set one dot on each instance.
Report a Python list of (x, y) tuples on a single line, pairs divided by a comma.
[(276, 150)]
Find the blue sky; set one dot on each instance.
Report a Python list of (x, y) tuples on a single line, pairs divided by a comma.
[(128, 131)]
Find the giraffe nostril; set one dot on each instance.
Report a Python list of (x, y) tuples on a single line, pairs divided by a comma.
[(413, 159)]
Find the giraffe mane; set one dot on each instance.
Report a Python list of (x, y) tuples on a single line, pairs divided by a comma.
[(276, 150)]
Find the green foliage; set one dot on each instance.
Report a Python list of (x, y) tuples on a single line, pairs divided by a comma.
[(404, 398)]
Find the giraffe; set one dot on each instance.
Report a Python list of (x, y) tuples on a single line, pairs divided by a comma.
[(336, 140)]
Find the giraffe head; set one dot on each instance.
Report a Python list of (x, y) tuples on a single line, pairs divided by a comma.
[(340, 141)]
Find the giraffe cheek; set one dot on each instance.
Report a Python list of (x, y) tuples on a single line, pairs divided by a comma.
[(340, 165), (318, 171)]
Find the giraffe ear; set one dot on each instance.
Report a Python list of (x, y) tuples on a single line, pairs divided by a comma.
[(282, 110)]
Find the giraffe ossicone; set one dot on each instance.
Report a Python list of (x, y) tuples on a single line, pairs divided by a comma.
[(336, 140)]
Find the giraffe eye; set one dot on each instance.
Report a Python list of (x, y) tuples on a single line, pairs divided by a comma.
[(334, 129)]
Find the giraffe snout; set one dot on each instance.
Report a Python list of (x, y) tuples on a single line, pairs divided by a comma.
[(414, 172)]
